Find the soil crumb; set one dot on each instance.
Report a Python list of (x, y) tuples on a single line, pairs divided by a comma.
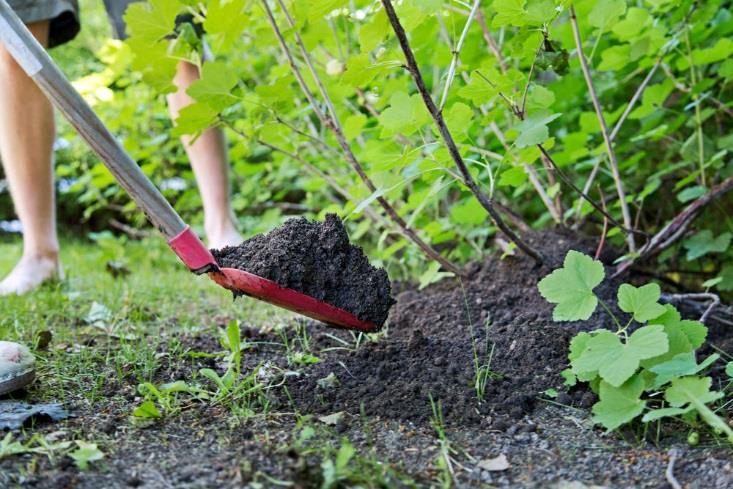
[(316, 258)]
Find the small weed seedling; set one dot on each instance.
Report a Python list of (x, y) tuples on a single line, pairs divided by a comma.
[(651, 372), (444, 462), (232, 388)]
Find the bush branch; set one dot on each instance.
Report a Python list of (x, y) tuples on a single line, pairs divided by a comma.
[(604, 130), (485, 201), (677, 227), (332, 123)]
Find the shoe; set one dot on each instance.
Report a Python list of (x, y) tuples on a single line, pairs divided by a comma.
[(17, 367)]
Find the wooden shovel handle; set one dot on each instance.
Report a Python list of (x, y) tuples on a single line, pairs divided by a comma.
[(39, 66)]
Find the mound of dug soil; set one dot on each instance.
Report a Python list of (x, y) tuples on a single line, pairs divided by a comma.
[(438, 336), (315, 258)]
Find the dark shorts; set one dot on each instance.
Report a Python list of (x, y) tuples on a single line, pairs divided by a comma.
[(62, 14), (64, 17)]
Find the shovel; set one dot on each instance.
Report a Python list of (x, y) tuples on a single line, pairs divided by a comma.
[(34, 60)]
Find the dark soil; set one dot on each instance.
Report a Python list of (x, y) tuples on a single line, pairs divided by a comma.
[(384, 389), (433, 335), (316, 258)]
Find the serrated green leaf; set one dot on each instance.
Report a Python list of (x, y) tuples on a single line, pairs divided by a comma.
[(696, 392), (372, 33), (405, 115), (642, 302), (477, 90), (680, 366), (632, 23), (533, 130), (224, 23), (619, 405), (152, 20), (615, 361), (214, 87), (571, 287), (606, 13), (146, 410), (703, 243), (458, 118)]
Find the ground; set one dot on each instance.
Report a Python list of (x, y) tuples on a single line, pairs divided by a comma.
[(312, 406)]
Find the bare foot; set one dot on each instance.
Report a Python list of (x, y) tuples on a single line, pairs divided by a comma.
[(226, 237), (30, 273)]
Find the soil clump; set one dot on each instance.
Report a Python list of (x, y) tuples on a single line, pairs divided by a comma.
[(438, 338), (317, 259)]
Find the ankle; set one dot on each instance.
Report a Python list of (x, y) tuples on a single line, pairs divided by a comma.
[(44, 255)]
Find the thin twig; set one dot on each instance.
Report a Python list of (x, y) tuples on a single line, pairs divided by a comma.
[(485, 201), (493, 47), (669, 473), (534, 178), (457, 53), (637, 94), (685, 89), (604, 130), (697, 296), (676, 228), (602, 242), (331, 122)]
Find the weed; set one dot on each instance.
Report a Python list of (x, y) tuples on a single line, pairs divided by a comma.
[(651, 371)]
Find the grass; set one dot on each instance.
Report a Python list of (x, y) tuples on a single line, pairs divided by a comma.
[(128, 325), (125, 345)]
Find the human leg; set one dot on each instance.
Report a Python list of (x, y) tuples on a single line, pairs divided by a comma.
[(26, 141), (208, 156)]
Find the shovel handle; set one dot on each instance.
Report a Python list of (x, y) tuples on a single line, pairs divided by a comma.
[(39, 66)]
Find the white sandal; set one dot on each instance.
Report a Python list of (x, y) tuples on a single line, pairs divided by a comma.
[(17, 367)]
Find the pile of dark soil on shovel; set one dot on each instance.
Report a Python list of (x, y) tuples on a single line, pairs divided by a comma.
[(439, 337), (315, 258)]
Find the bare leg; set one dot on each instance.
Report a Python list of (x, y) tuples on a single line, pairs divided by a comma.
[(209, 161), (26, 142)]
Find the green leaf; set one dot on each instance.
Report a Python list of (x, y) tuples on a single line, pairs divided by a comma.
[(152, 20), (606, 13), (470, 211), (509, 12), (571, 287), (642, 302), (533, 130), (695, 392), (703, 243), (679, 366), (477, 90), (147, 410), (513, 177), (193, 119), (729, 369), (722, 49), (615, 57), (632, 24), (616, 362), (459, 118), (664, 413), (405, 115), (619, 405), (224, 23), (374, 32), (215, 85), (85, 453)]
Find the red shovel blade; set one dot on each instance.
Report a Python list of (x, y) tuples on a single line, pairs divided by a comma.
[(241, 282), (194, 254)]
